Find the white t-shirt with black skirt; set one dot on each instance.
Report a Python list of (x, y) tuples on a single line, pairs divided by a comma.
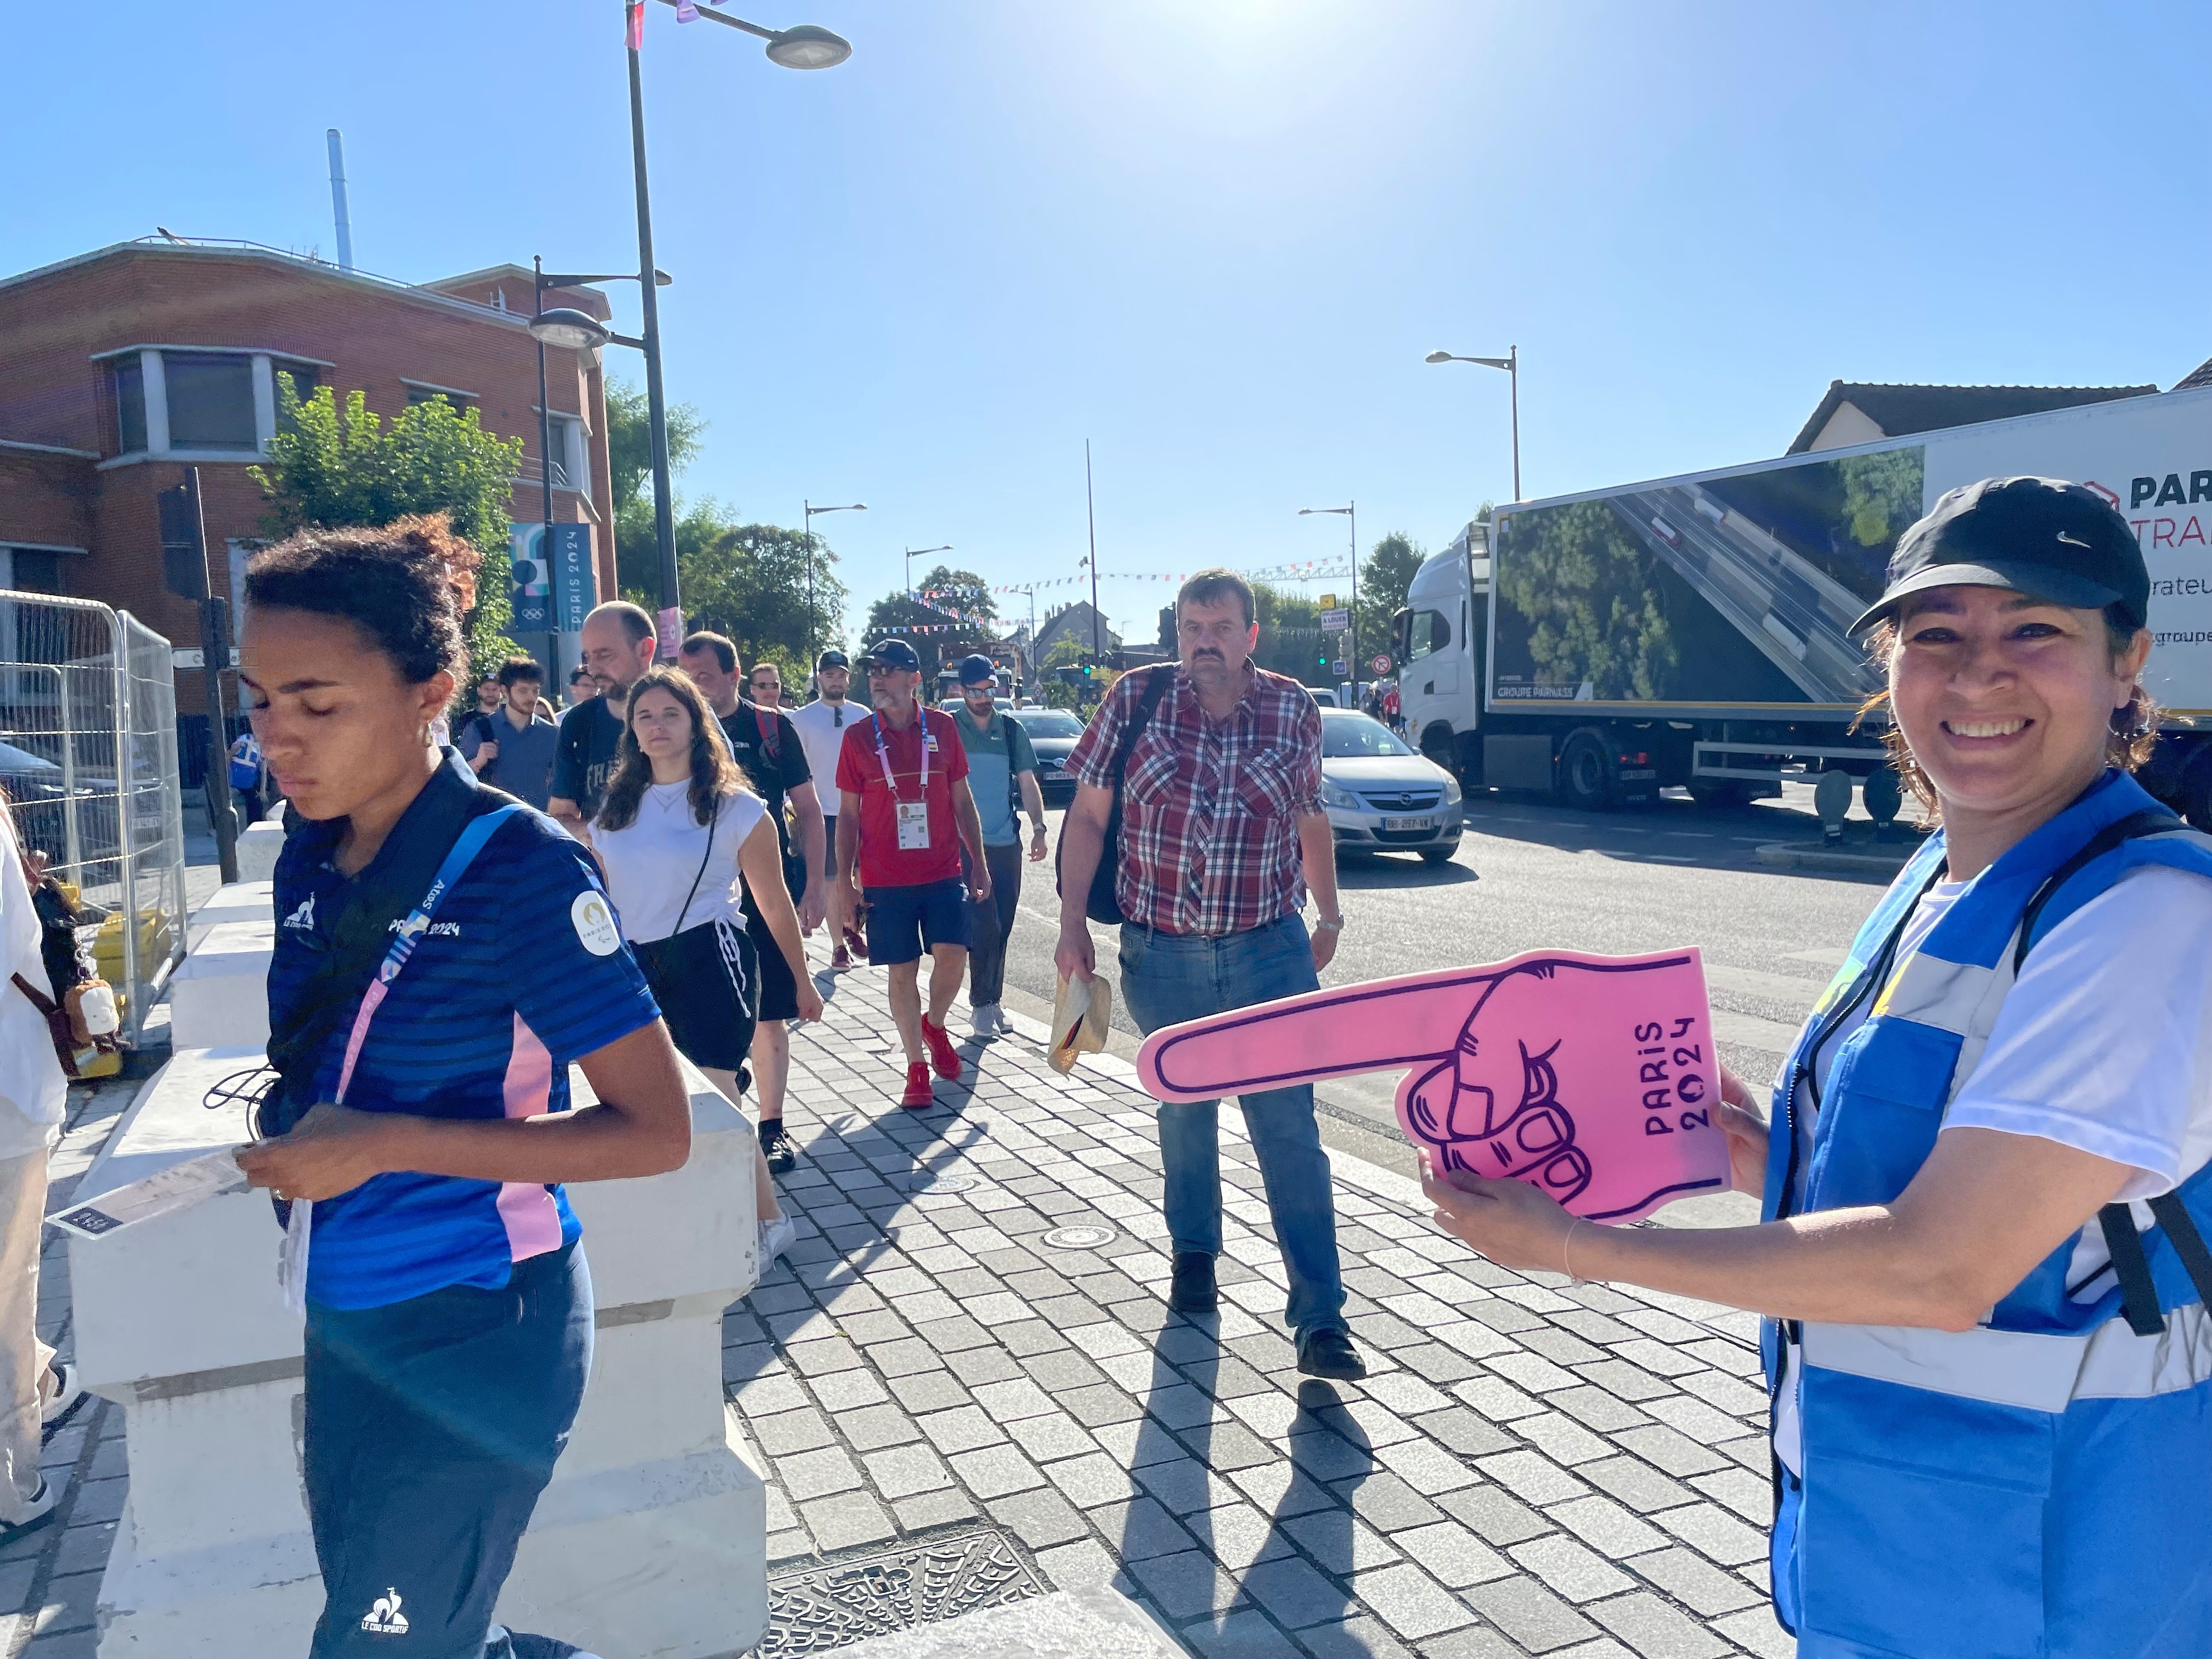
[(667, 876)]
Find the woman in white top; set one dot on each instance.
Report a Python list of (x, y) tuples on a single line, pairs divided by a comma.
[(1985, 1189), (35, 1391), (676, 832)]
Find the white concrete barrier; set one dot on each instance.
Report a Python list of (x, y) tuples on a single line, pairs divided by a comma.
[(238, 900), (257, 847), (219, 995), (651, 1539)]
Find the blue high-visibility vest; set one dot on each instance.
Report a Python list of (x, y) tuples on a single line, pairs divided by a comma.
[(2040, 1486)]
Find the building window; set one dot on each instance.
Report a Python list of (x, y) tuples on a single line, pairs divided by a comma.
[(31, 569), (128, 376), (210, 400), (461, 401), (565, 459), (305, 378)]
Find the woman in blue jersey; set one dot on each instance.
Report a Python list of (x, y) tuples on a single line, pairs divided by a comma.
[(1985, 1187), (443, 954)]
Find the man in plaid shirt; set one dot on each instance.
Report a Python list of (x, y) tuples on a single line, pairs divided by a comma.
[(1222, 836)]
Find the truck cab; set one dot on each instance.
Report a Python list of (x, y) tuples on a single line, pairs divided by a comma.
[(1436, 638)]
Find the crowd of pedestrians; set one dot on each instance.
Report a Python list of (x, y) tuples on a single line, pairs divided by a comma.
[(1982, 1243)]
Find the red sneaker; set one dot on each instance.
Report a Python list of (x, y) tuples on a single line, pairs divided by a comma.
[(918, 1097), (942, 1053)]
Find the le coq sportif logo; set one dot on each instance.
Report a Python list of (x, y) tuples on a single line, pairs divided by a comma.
[(384, 1617)]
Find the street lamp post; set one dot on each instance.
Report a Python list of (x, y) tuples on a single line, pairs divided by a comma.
[(1351, 512), (805, 47), (1511, 364), (914, 553), (813, 640)]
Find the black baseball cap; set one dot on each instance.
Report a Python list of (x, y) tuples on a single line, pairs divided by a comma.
[(893, 653), (2059, 541), (978, 670), (832, 658)]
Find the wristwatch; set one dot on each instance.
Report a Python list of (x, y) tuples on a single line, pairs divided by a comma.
[(1036, 826), (1329, 925)]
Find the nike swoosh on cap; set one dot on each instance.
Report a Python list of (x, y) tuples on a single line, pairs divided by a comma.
[(2072, 541)]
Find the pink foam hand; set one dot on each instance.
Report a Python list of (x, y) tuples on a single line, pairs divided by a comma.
[(1590, 1076)]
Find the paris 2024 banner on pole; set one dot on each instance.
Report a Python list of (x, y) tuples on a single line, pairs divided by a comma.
[(1591, 1078)]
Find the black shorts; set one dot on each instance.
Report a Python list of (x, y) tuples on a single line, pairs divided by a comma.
[(905, 922), (706, 981), (779, 991)]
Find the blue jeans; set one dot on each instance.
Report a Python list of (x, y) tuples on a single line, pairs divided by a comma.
[(1167, 978)]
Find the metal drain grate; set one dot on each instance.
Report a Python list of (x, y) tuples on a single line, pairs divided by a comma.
[(926, 1186), (831, 1606), (1079, 1238)]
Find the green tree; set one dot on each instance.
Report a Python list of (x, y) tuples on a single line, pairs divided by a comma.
[(331, 467), (630, 463), (1384, 579), (960, 618), (750, 582), (1577, 579), (1291, 642), (1881, 495)]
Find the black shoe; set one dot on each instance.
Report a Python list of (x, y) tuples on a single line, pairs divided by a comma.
[(1328, 1352), (1193, 1290), (777, 1146), (43, 1508)]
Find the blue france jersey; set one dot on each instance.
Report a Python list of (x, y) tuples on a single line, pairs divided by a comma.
[(522, 971)]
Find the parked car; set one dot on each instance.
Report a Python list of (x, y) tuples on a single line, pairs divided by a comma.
[(1381, 795), (1052, 733)]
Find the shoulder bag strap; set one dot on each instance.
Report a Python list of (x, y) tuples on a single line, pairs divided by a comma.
[(1156, 687), (700, 874)]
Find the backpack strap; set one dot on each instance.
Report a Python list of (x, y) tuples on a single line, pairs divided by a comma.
[(2130, 1260)]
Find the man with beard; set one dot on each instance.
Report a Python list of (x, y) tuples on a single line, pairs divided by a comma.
[(617, 641), (1222, 836)]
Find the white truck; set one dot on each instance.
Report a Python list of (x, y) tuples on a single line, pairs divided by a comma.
[(1600, 646)]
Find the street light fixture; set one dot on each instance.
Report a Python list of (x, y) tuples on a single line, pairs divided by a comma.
[(805, 47), (813, 640), (1351, 513), (1511, 364), (914, 553)]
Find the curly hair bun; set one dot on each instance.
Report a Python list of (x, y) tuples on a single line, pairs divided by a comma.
[(406, 587)]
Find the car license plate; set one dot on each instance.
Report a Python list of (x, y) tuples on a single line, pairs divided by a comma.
[(1639, 774), (1409, 823)]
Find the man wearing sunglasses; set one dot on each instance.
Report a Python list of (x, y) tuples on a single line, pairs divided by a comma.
[(822, 726)]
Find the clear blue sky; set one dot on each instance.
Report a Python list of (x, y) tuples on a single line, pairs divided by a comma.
[(1215, 237)]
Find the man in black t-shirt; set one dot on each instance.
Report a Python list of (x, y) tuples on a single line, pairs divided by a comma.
[(617, 641), (768, 748)]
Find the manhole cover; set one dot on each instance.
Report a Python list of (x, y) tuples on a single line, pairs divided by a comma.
[(926, 1186), (830, 1606), (1077, 1238)]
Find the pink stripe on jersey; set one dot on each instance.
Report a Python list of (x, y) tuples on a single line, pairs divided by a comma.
[(533, 1221)]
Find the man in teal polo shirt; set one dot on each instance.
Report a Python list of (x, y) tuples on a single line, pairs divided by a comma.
[(1001, 766)]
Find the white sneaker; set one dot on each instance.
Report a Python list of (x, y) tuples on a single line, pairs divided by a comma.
[(69, 1395), (984, 1019), (776, 1236), (37, 1514)]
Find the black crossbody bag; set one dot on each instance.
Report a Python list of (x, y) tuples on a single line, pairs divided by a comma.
[(1101, 904)]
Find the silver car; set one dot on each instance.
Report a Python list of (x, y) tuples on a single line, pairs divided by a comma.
[(1382, 797)]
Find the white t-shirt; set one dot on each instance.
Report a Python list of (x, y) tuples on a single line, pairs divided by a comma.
[(2104, 1044), (821, 727), (32, 1087), (651, 863)]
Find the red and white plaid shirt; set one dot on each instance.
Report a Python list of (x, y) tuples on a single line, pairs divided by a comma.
[(1210, 808)]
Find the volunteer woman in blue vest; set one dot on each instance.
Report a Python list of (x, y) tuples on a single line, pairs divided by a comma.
[(443, 954), (1985, 1188), (677, 830)]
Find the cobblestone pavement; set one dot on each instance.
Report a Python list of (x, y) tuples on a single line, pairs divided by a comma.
[(49, 1579), (1535, 1468)]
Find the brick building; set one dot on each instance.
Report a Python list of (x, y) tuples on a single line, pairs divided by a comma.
[(120, 367)]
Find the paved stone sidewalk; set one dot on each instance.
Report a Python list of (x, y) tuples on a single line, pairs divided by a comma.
[(1535, 1466)]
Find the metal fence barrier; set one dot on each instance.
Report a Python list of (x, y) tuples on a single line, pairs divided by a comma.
[(89, 763)]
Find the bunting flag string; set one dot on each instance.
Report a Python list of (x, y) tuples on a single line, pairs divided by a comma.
[(1309, 570)]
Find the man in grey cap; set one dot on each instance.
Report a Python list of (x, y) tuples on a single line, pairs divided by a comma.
[(1002, 776)]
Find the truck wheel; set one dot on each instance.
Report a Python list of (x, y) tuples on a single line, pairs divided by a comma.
[(1586, 771), (1437, 745)]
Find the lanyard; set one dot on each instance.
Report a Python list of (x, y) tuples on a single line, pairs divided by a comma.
[(298, 1226), (465, 849), (921, 725)]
